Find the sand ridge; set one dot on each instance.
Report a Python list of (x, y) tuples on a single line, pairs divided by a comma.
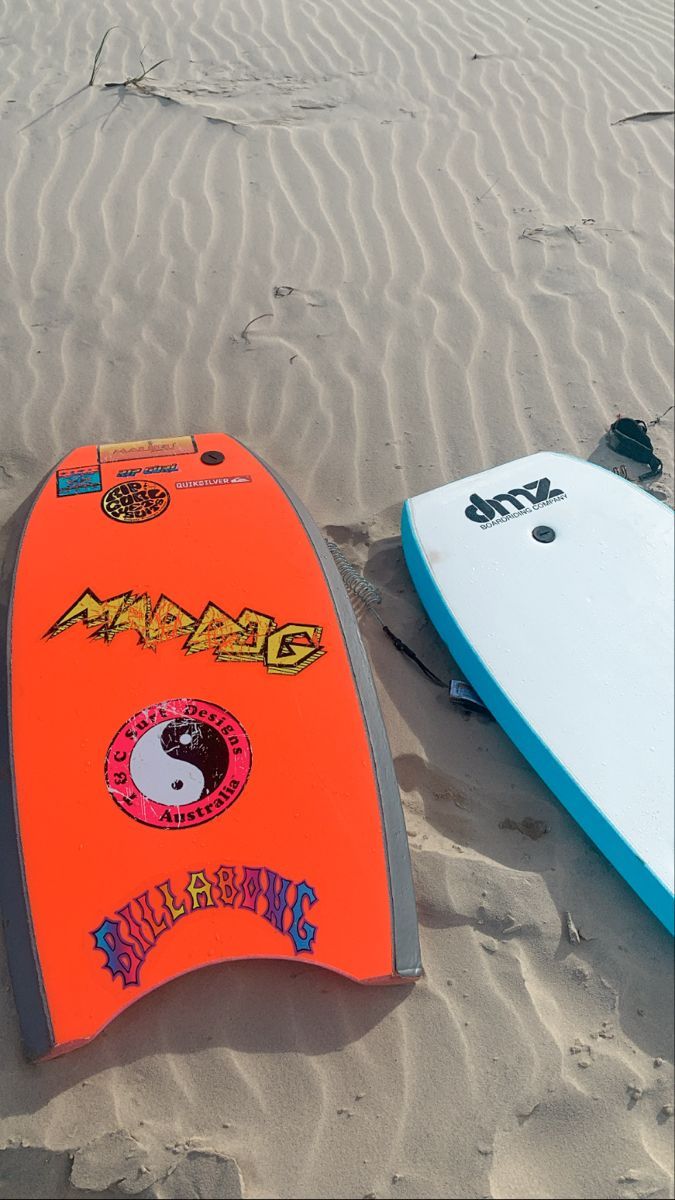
[(386, 245)]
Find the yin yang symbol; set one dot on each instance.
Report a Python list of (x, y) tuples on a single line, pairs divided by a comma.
[(178, 764)]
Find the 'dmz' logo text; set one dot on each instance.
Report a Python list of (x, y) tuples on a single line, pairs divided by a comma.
[(535, 495)]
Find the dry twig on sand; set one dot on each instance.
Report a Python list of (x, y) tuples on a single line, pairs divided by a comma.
[(486, 192), (658, 420), (244, 333), (136, 80)]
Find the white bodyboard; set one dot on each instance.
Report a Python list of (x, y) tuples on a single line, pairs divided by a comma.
[(551, 581)]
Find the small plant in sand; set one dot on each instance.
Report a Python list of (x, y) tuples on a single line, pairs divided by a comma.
[(132, 80)]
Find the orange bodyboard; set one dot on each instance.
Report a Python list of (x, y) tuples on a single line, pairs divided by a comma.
[(199, 766)]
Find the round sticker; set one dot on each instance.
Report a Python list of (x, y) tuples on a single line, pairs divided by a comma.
[(135, 501), (178, 764)]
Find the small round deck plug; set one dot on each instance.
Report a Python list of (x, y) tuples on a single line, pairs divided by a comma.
[(212, 458), (543, 533)]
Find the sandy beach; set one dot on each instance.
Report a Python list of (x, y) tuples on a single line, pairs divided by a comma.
[(386, 246)]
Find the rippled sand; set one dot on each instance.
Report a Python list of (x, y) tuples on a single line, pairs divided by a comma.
[(385, 245)]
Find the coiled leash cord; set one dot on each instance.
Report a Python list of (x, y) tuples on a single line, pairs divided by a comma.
[(361, 589)]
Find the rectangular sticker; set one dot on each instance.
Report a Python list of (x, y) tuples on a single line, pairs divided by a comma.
[(160, 469), (153, 448), (192, 483), (75, 481)]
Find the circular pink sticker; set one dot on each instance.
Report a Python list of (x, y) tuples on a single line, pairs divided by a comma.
[(178, 764)]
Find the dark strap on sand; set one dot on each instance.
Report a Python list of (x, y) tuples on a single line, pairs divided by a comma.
[(630, 437)]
